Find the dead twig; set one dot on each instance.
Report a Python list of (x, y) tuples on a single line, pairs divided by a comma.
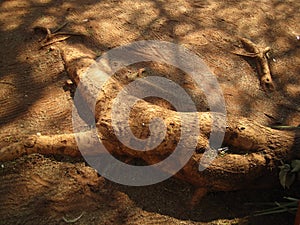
[(50, 35), (253, 51), (54, 41), (283, 127)]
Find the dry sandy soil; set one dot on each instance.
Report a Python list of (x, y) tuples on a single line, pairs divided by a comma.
[(44, 190)]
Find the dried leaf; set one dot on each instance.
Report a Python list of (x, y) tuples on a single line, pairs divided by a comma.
[(284, 169), (296, 166), (289, 180)]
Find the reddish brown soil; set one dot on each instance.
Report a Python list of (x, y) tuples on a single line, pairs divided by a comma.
[(39, 190)]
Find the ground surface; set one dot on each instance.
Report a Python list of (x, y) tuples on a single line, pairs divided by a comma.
[(39, 190)]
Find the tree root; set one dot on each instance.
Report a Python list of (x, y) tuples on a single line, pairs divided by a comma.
[(250, 159), (251, 162), (64, 144)]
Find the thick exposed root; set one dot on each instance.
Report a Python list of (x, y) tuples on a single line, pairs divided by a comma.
[(250, 159)]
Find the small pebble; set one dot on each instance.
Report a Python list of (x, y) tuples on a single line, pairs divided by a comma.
[(38, 134), (274, 60), (69, 82), (298, 37), (2, 166), (224, 149), (85, 20)]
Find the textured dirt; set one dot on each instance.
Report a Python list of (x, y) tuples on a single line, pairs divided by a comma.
[(39, 190)]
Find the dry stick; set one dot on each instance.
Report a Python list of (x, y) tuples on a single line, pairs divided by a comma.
[(50, 35), (54, 41), (60, 27), (262, 64)]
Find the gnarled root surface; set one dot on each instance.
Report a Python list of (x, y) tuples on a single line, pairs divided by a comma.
[(254, 155)]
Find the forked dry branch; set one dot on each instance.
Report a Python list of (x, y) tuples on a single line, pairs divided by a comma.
[(260, 54), (54, 36)]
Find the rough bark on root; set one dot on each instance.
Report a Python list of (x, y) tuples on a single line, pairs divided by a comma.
[(252, 160)]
